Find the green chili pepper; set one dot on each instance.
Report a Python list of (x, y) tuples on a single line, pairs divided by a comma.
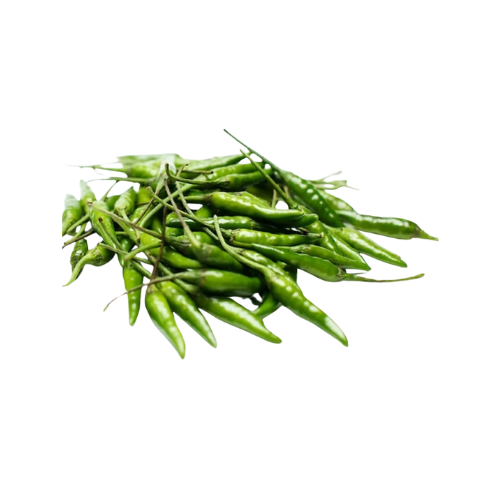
[(250, 236), (203, 213), (335, 244), (320, 268), (225, 222), (79, 251), (169, 256), (231, 312), (211, 163), (335, 258), (289, 294), (111, 201), (163, 318), (72, 213), (143, 196), (132, 279), (137, 214), (224, 283), (271, 304), (97, 256), (185, 307), (238, 204), (261, 191), (125, 204), (103, 224), (367, 246), (391, 227), (86, 196)]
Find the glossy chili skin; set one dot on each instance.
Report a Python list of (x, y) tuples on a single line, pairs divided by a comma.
[(286, 291), (185, 307), (132, 279), (111, 202), (261, 191), (137, 213), (367, 246), (211, 163), (143, 196), (236, 182), (161, 314), (223, 283), (103, 224), (239, 204), (86, 196), (225, 222), (97, 256), (229, 311), (291, 296), (397, 228), (156, 225), (125, 205), (333, 257), (270, 303), (251, 236), (79, 251), (72, 213), (337, 245), (204, 212), (311, 197), (169, 256), (321, 268)]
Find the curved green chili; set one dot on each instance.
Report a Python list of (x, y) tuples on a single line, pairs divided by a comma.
[(72, 213), (97, 256), (132, 279), (163, 318), (367, 246), (290, 295)]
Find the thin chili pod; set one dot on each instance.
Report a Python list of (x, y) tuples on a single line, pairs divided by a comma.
[(163, 318), (97, 256), (225, 222), (234, 314), (271, 304), (335, 258), (125, 204), (321, 268), (397, 228), (291, 296), (80, 249), (111, 201), (261, 191), (203, 212), (367, 246), (337, 245), (185, 307), (169, 256), (132, 279), (103, 224), (251, 236), (237, 204), (72, 213), (311, 197), (224, 283), (143, 196), (86, 196)]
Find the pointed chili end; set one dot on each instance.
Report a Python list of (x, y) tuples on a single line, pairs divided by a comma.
[(424, 236), (212, 341)]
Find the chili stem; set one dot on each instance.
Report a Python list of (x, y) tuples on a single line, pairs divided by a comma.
[(152, 282), (78, 238)]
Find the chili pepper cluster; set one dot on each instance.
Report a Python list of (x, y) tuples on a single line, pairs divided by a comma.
[(236, 244)]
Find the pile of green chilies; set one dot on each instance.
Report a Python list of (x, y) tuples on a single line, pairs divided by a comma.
[(237, 244)]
